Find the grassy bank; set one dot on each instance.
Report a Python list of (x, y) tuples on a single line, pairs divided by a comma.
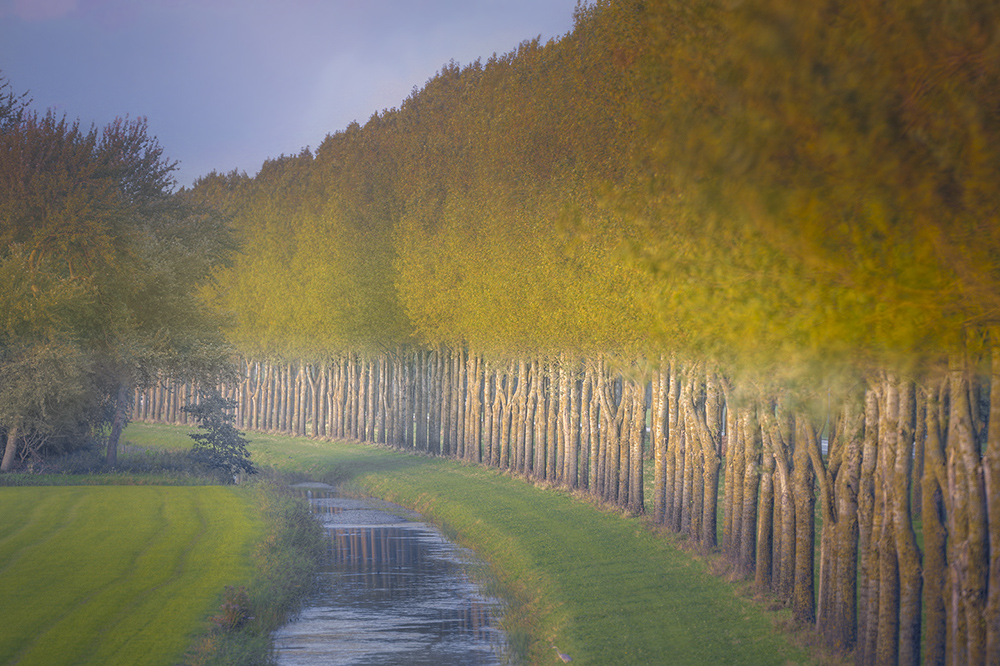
[(283, 563), (114, 574), (601, 587)]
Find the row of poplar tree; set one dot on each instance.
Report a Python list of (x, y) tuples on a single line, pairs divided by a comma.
[(758, 243)]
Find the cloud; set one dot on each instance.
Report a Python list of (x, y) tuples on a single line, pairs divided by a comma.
[(37, 10)]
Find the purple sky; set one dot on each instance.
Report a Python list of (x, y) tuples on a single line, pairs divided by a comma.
[(228, 83)]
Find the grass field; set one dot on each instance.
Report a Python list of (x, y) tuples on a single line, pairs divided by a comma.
[(115, 574), (601, 587)]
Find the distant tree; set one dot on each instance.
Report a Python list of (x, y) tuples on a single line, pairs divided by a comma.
[(12, 105)]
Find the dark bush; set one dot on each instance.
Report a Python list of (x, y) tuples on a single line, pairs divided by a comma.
[(221, 447)]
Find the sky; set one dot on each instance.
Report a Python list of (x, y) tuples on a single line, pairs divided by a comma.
[(227, 84)]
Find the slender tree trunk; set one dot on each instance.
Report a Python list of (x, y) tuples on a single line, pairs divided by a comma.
[(636, 500), (804, 595), (783, 562), (841, 628), (935, 569), (675, 452), (971, 555), (867, 532), (911, 584), (991, 468), (765, 525), (658, 438), (117, 423), (551, 427), (488, 398), (538, 438), (748, 485), (573, 431), (734, 468)]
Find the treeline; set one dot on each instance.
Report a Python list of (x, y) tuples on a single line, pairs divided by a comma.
[(772, 227)]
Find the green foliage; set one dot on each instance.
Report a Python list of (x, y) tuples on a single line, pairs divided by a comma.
[(222, 448), (104, 266), (838, 168)]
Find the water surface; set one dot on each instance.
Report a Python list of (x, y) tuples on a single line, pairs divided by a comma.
[(392, 590)]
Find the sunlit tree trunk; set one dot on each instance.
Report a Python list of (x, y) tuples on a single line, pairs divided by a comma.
[(839, 623), (586, 432), (474, 417), (991, 463), (519, 415), (625, 408), (461, 390), (803, 596), (747, 492), (551, 417), (675, 452), (765, 511), (910, 581), (868, 530), (636, 499), (969, 556), (659, 435), (573, 429), (538, 440), (735, 467), (783, 559)]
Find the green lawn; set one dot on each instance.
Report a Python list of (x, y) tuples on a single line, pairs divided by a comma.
[(115, 574), (603, 588)]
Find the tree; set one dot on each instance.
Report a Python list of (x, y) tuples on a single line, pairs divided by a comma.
[(12, 105), (93, 213), (221, 448)]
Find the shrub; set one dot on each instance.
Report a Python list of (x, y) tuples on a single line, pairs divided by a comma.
[(222, 448)]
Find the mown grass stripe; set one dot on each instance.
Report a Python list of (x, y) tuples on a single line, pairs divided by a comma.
[(207, 551), (128, 580), (46, 515)]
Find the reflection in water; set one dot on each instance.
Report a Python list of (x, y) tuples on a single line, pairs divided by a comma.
[(391, 591)]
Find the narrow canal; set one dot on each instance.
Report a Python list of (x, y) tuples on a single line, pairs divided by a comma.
[(392, 590)]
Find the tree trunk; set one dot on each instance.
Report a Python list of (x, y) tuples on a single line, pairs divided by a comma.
[(675, 452), (804, 596), (10, 450), (573, 430), (887, 641), (117, 423), (911, 584), (658, 440), (867, 550), (935, 569), (991, 463), (735, 468), (551, 418), (765, 523), (783, 558), (747, 488), (841, 628), (636, 501), (971, 555)]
